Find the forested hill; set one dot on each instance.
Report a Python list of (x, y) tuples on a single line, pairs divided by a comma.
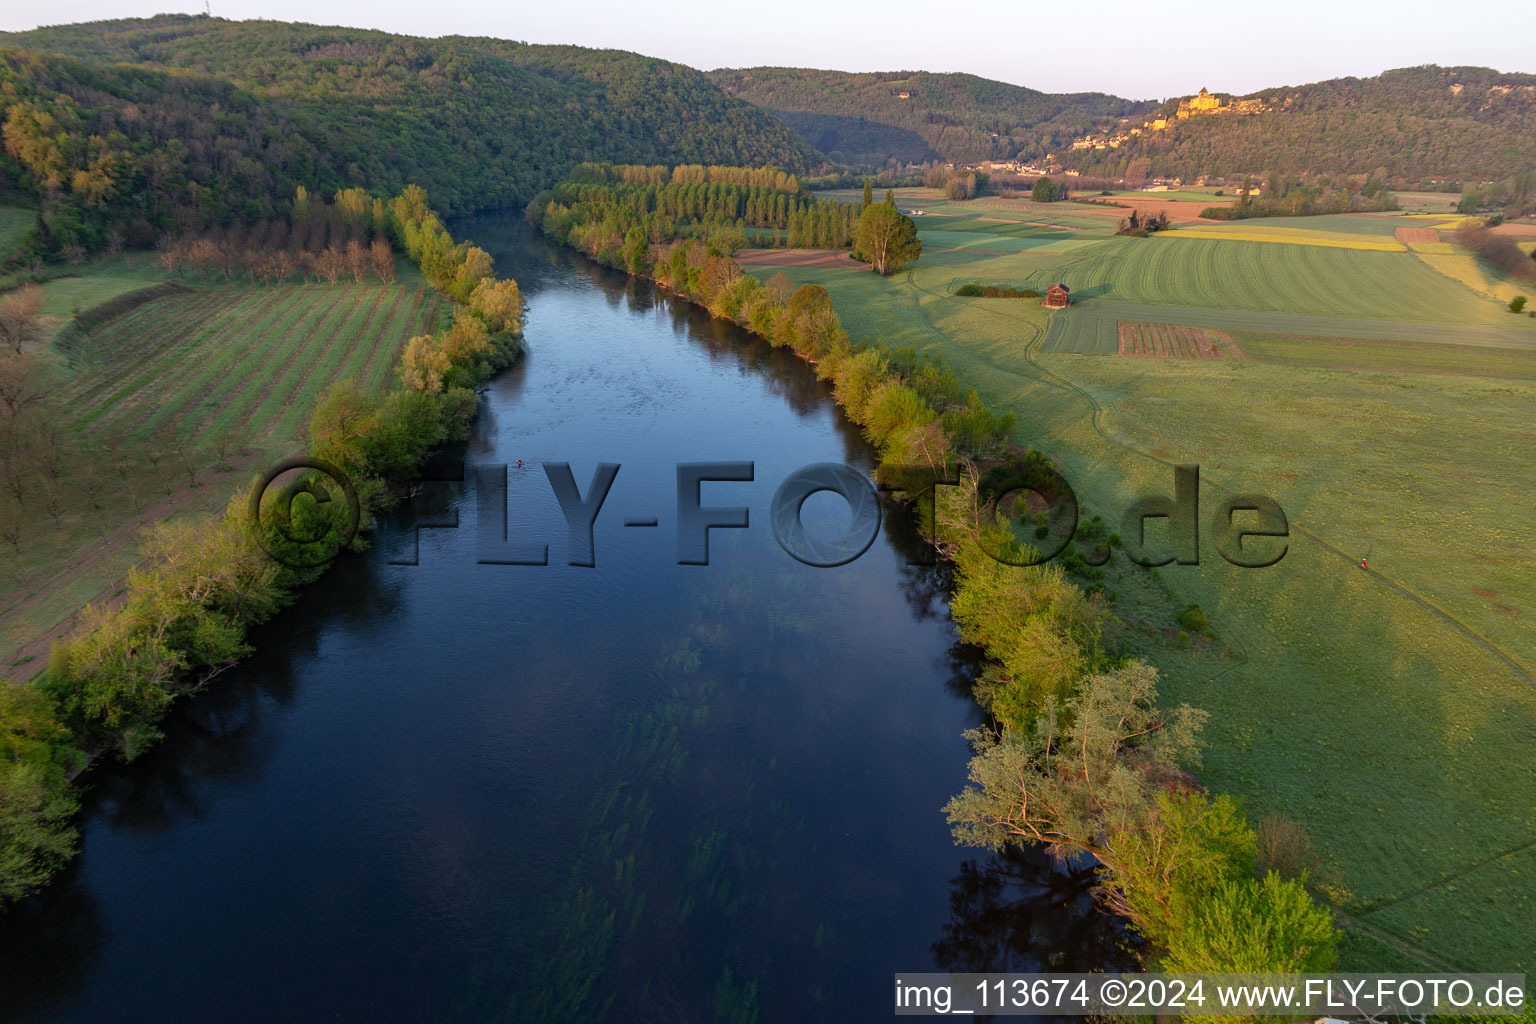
[(1414, 124), (230, 116), (916, 116)]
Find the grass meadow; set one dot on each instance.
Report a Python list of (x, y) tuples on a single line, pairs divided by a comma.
[(14, 222), (1178, 195), (1393, 711), (169, 407), (1089, 327), (1271, 277), (1375, 356)]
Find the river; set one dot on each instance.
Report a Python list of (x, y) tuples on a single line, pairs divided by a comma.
[(634, 791)]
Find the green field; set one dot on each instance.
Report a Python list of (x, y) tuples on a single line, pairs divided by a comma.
[(243, 362), (170, 406), (1182, 195), (1270, 277), (73, 290), (1084, 328), (1378, 356), (1393, 711)]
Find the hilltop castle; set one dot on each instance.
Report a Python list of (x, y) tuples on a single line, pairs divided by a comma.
[(1199, 104), (1204, 103)]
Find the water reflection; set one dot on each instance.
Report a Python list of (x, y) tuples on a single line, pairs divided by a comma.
[(1024, 911), (48, 945)]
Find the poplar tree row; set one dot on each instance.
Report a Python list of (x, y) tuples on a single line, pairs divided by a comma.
[(605, 213)]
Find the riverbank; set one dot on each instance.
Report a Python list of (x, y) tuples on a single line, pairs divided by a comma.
[(184, 615)]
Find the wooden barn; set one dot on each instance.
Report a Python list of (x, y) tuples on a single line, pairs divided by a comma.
[(1058, 296)]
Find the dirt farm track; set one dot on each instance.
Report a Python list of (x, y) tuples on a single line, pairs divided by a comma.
[(795, 258)]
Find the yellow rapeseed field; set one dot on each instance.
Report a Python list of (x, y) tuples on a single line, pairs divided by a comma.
[(1330, 240), (1460, 265)]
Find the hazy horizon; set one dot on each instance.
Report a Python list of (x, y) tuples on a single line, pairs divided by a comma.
[(1122, 48)]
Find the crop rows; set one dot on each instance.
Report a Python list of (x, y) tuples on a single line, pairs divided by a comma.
[(1070, 333), (242, 362), (1165, 341), (1077, 331), (1268, 277)]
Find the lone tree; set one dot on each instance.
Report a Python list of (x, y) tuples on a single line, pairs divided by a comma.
[(18, 316), (887, 238)]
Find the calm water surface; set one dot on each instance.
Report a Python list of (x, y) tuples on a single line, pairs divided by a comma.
[(640, 791)]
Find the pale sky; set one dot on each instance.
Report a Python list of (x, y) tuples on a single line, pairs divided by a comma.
[(1140, 50)]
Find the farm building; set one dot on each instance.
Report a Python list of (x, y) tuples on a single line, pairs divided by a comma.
[(1058, 296)]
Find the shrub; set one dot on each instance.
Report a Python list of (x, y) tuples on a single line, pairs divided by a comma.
[(1044, 632), (975, 429), (1255, 926), (893, 407), (1517, 303), (1193, 619), (1161, 868), (972, 290), (857, 377), (36, 837), (1031, 470), (36, 802), (1284, 846)]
